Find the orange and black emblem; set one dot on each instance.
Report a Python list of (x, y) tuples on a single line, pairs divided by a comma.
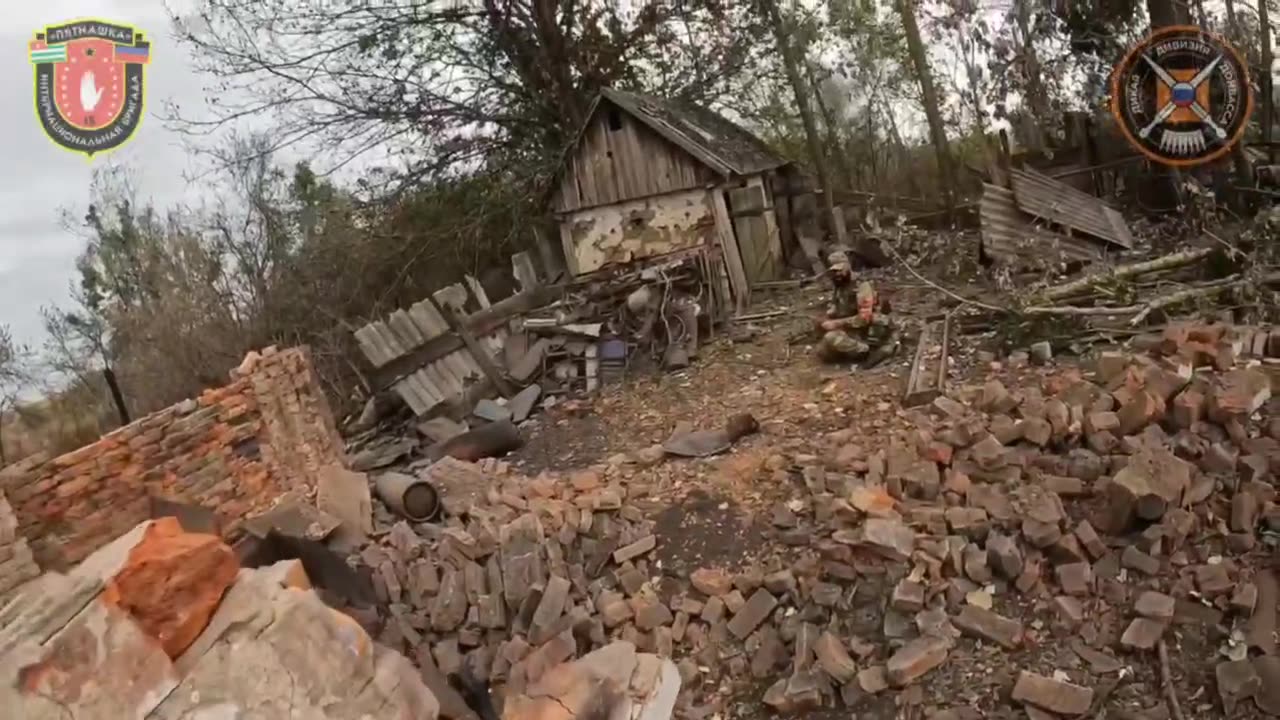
[(1182, 96)]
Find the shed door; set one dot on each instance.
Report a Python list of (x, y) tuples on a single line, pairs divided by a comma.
[(756, 227)]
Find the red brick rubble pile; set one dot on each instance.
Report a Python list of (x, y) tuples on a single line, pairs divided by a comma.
[(1042, 537)]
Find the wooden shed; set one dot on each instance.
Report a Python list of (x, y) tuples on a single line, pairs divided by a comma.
[(647, 177)]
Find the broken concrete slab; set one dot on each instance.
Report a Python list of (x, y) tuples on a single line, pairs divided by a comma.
[(338, 672), (345, 495), (490, 410), (522, 403)]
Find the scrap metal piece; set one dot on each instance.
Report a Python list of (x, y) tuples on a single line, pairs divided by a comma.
[(193, 518), (408, 496)]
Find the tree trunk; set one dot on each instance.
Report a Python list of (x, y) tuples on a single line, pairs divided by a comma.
[(979, 115), (1164, 13), (874, 171), (791, 61), (932, 109), (117, 397), (905, 164), (1237, 152), (1037, 96), (833, 130), (1264, 20), (1168, 194)]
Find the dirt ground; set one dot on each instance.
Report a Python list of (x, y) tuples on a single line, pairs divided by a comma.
[(718, 511)]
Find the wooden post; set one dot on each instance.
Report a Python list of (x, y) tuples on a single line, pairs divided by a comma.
[(729, 248), (525, 273), (1265, 21), (473, 346)]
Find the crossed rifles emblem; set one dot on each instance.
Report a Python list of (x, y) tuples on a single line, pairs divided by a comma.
[(1182, 94), (1200, 102)]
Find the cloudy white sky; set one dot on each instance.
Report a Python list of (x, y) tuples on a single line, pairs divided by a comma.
[(36, 255)]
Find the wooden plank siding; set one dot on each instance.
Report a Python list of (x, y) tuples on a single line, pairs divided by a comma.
[(624, 162)]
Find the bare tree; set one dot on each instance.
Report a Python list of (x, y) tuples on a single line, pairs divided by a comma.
[(451, 85), (78, 347), (15, 377), (793, 59), (1264, 22), (929, 97)]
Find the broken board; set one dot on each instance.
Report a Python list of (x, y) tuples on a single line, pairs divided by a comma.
[(928, 377)]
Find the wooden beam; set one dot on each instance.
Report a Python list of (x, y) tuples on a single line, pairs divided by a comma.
[(729, 247), (482, 358)]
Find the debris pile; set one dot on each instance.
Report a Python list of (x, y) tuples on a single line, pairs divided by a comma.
[(1112, 506), (446, 354), (647, 313), (501, 363), (161, 624), (1105, 507), (525, 573), (1148, 288)]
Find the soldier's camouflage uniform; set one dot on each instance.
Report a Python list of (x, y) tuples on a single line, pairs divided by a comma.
[(859, 338)]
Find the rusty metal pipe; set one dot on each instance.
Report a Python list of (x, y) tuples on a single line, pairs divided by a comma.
[(408, 496)]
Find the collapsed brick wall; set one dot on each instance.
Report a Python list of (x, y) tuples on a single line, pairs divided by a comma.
[(234, 450), (17, 565)]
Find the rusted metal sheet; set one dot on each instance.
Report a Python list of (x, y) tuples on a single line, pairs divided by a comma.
[(1013, 237), (628, 231), (1073, 210)]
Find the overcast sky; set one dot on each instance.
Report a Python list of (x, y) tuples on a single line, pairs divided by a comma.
[(36, 255)]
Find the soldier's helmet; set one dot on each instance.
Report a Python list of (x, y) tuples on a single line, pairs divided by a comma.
[(838, 261)]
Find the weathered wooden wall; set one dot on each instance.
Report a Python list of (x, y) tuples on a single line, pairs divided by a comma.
[(619, 158), (620, 233)]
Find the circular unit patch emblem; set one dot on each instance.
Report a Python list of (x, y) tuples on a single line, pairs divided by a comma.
[(1182, 96)]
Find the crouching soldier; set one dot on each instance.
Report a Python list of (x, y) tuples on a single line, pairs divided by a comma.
[(855, 329)]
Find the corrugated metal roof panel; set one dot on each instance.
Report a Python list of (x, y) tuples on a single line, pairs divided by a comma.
[(1064, 205), (1011, 236)]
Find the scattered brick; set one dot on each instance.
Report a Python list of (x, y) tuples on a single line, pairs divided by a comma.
[(752, 614), (1135, 559), (711, 582), (1056, 696), (1143, 633), (1154, 605), (908, 596), (1075, 578), (915, 659), (987, 625)]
